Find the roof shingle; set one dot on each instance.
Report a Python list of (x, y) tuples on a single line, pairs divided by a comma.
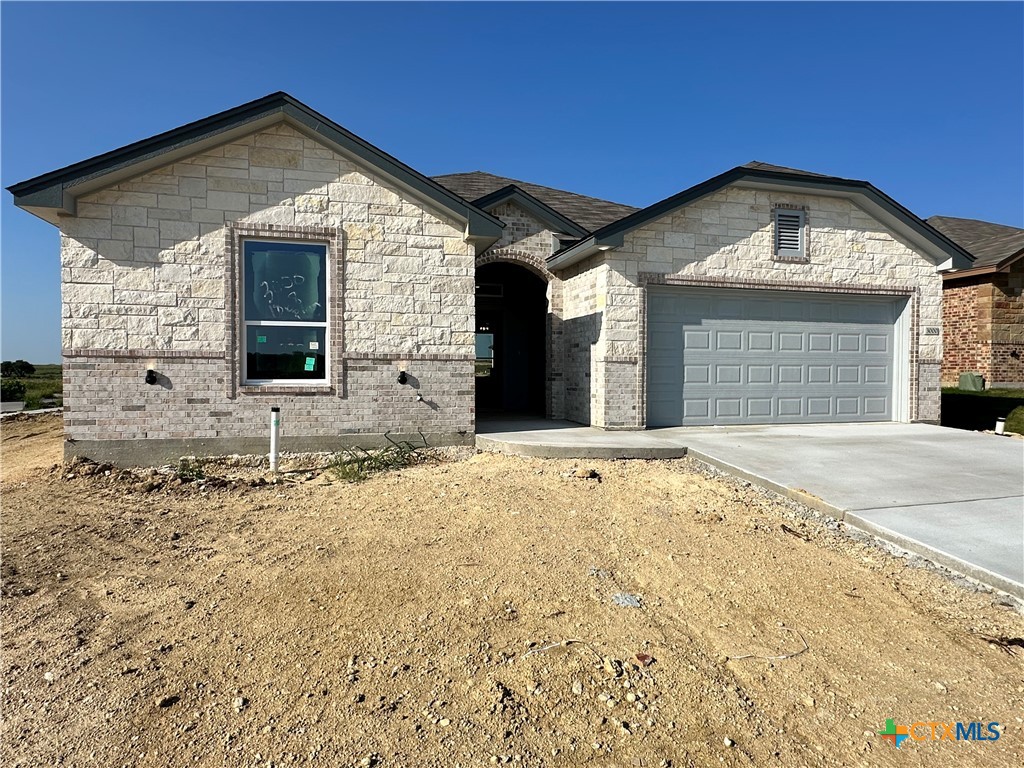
[(589, 212), (989, 243)]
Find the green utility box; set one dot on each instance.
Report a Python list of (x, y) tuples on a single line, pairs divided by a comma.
[(972, 382)]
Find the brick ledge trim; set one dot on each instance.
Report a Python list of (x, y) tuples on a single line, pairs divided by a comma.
[(404, 356), (245, 389), (154, 354), (660, 278), (199, 354)]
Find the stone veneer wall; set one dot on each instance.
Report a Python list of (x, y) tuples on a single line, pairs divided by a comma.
[(149, 270), (725, 239), (583, 307), (1008, 327)]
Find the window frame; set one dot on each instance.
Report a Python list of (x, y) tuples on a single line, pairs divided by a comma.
[(244, 324), (801, 254)]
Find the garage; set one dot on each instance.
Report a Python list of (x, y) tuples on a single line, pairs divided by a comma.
[(732, 356)]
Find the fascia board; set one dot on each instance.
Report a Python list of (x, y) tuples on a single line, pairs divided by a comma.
[(536, 208)]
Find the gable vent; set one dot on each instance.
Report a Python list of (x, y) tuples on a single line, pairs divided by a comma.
[(789, 234)]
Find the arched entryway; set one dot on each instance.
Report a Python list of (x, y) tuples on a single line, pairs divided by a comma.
[(511, 340)]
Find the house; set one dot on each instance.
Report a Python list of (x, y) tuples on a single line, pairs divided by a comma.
[(265, 256), (983, 306)]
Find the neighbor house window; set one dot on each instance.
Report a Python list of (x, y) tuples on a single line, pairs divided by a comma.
[(790, 234), (284, 312)]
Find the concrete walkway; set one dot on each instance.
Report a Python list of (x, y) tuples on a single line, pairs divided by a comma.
[(952, 496)]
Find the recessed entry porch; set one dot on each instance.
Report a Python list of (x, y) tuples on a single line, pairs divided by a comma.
[(513, 326)]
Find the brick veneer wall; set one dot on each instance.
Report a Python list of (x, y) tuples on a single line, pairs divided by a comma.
[(149, 279), (726, 239), (983, 318), (963, 350)]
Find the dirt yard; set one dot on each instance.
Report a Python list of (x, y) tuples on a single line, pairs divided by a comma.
[(472, 613)]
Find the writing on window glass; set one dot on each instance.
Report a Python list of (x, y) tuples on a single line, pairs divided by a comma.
[(286, 285)]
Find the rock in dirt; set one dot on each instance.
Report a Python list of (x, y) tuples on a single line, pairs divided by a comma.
[(167, 700)]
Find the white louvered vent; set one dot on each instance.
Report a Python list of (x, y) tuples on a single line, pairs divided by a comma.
[(789, 234)]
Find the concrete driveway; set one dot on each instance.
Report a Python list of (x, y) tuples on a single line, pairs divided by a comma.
[(953, 496)]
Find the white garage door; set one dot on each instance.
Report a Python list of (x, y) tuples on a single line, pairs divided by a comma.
[(718, 356)]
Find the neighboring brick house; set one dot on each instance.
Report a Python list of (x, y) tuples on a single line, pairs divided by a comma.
[(983, 305), (265, 256)]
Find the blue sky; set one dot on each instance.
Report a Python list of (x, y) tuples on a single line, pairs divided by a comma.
[(630, 102)]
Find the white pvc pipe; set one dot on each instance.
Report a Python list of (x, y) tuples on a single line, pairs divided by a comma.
[(275, 430)]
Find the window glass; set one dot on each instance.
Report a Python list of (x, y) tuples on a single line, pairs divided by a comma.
[(285, 281), (285, 352), (484, 354), (485, 346), (284, 311)]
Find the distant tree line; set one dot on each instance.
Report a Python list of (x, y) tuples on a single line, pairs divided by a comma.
[(16, 369), (11, 371)]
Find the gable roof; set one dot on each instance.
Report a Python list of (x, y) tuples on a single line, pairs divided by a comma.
[(943, 251), (537, 208), (591, 213), (55, 192), (990, 244)]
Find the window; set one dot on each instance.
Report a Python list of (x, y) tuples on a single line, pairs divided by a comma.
[(790, 237), (284, 312)]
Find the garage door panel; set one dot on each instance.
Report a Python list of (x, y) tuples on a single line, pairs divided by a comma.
[(876, 374), (728, 341), (765, 359), (760, 341), (758, 309), (819, 374), (696, 408), (728, 374), (790, 341), (791, 406), (874, 342), (790, 374), (696, 374), (819, 342), (847, 374), (848, 342), (729, 309), (848, 406), (819, 311), (792, 310), (819, 406), (876, 407), (729, 408), (696, 340)]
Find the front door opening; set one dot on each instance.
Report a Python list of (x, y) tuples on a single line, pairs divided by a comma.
[(511, 314)]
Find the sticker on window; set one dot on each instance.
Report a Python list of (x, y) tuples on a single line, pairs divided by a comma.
[(314, 345), (261, 339), (310, 363)]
